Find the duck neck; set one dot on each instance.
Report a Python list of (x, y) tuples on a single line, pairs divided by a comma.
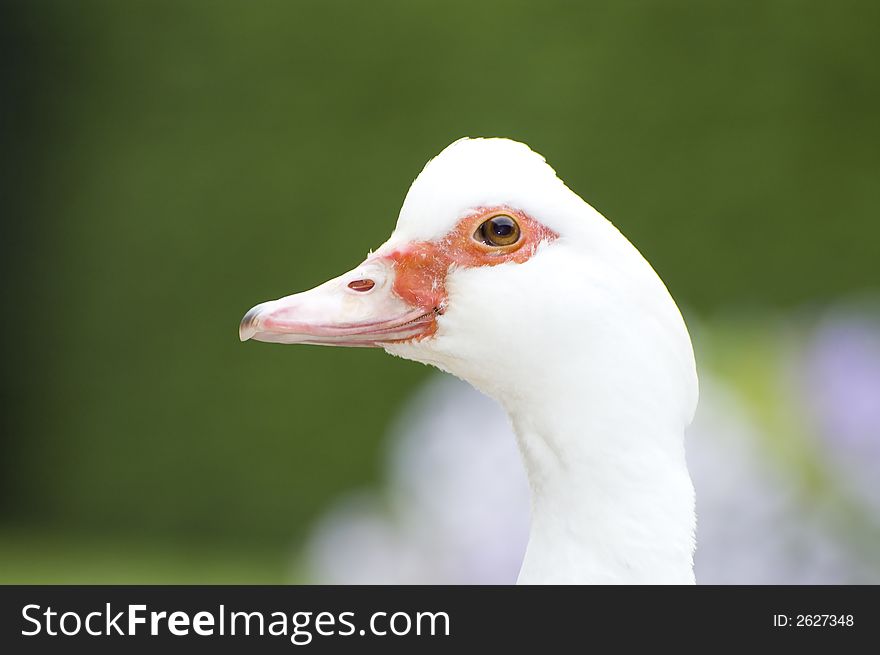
[(612, 500)]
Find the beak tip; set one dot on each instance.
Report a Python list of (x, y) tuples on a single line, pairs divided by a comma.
[(248, 326)]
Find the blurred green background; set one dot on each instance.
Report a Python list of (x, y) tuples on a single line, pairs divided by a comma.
[(166, 165)]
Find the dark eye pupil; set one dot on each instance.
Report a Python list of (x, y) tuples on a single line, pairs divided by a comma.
[(502, 228)]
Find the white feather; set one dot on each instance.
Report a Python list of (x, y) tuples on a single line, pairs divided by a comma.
[(588, 353)]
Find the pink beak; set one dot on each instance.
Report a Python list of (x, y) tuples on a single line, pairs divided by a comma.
[(359, 308)]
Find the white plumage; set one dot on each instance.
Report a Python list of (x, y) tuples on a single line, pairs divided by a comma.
[(578, 340)]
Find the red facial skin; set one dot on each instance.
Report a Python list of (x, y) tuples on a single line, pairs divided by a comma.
[(420, 267)]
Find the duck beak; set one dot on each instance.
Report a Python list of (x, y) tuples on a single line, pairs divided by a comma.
[(359, 308)]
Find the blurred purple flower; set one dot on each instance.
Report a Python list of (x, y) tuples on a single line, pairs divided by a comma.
[(754, 526), (843, 382)]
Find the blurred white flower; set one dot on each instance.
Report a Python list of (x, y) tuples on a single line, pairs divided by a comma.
[(456, 508)]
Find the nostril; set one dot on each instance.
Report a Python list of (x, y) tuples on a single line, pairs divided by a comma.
[(361, 285)]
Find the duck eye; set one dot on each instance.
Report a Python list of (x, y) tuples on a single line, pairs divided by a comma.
[(499, 230)]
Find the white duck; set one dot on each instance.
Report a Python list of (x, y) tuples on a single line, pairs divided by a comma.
[(501, 275)]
